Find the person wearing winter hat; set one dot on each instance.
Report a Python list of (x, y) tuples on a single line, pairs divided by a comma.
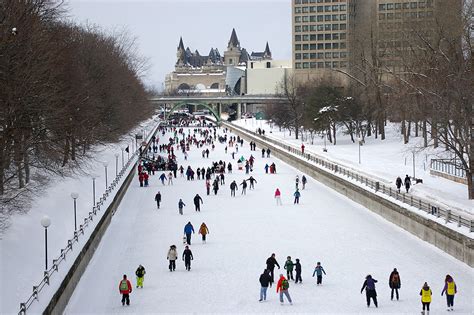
[(450, 289), (425, 298)]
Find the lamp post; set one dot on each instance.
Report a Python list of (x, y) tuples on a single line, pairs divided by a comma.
[(105, 167), (122, 157), (414, 177), (93, 191), (74, 196), (359, 140), (45, 222), (116, 164)]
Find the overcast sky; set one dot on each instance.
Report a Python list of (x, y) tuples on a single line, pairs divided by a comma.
[(158, 24)]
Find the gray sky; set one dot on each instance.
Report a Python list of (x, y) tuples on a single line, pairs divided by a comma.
[(158, 24)]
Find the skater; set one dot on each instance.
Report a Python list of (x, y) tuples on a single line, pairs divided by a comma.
[(297, 181), (140, 273), (303, 181), (268, 152), (271, 262), (278, 196), (266, 168), (265, 281), (163, 178), (318, 271), (369, 286), (229, 168), (181, 204), (187, 257), (425, 298), (215, 186), (398, 182), (222, 179), (252, 181), (140, 179), (297, 195), (208, 187), (172, 256), (298, 271), (170, 178), (233, 188), (394, 283), (125, 288), (145, 179), (203, 230), (197, 202), (158, 199), (289, 268), (407, 183), (244, 187), (302, 148), (188, 229), (450, 289), (283, 285), (263, 153)]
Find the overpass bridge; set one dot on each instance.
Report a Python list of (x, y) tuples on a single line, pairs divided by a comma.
[(214, 103)]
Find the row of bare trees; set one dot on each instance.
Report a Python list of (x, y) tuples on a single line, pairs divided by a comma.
[(423, 78), (63, 89)]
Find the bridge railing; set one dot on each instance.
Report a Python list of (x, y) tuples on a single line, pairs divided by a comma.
[(434, 209)]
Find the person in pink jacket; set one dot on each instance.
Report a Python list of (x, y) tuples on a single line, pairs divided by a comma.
[(278, 196)]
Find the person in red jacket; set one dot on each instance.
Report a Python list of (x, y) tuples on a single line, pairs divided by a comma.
[(140, 179), (278, 196), (302, 148), (125, 288), (282, 288)]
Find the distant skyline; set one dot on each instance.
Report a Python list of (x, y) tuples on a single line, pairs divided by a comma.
[(157, 26)]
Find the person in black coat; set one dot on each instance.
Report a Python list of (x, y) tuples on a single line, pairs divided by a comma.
[(370, 292), (158, 199), (298, 271), (398, 182), (271, 262), (187, 257), (394, 282), (197, 202), (407, 183), (265, 281)]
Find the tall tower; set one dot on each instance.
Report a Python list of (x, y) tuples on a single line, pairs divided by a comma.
[(181, 53), (233, 52)]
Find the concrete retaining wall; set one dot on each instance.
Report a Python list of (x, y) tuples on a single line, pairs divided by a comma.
[(454, 243)]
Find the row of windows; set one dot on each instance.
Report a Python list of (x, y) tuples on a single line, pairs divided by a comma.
[(321, 65), (329, 36), (316, 1), (321, 27), (406, 15), (326, 55), (320, 18), (321, 46), (321, 8), (406, 5)]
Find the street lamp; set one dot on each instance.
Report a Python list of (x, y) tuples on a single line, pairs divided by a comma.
[(105, 167), (122, 157), (116, 164), (74, 196), (93, 191), (360, 141), (45, 222), (414, 177)]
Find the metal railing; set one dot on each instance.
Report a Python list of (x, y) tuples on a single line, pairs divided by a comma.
[(431, 208), (448, 167), (75, 239)]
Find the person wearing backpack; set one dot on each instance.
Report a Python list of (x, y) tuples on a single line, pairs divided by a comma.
[(370, 293), (265, 281), (289, 268), (394, 282), (318, 271), (172, 256), (425, 298), (125, 288), (282, 286), (203, 230), (140, 273)]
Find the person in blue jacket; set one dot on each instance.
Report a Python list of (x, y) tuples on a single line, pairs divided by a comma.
[(188, 229), (318, 271)]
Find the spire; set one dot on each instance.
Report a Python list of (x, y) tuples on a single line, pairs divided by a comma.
[(181, 45), (267, 51), (233, 41)]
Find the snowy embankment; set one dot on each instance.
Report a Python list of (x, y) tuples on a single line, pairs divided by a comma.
[(22, 245), (383, 160), (349, 240)]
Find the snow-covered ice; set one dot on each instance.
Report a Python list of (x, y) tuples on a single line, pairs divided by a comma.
[(349, 240)]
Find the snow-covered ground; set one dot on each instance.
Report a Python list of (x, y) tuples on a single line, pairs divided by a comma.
[(348, 239), (384, 160), (22, 259)]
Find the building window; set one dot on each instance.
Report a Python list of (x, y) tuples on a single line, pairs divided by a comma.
[(305, 38), (320, 46), (398, 6), (335, 45), (312, 47), (413, 5), (382, 7), (298, 65), (312, 65), (304, 1), (320, 18), (335, 64), (305, 9), (335, 55), (335, 27), (327, 27), (306, 18), (312, 9), (327, 55), (305, 28), (297, 1), (343, 64), (320, 55), (320, 64), (343, 54), (327, 64), (305, 46), (342, 7), (343, 45), (320, 27), (305, 65), (327, 18), (312, 28), (297, 19), (251, 65), (342, 26), (335, 36), (390, 16), (335, 8), (320, 8), (335, 17), (390, 6), (327, 46), (298, 56), (312, 18), (327, 8), (297, 46), (343, 17), (298, 38), (312, 37), (298, 28), (306, 56), (297, 10), (268, 64), (327, 36), (312, 56), (320, 36), (343, 35)]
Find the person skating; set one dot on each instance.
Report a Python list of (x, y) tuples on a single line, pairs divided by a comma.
[(140, 178), (181, 205), (282, 286), (298, 271), (297, 196), (407, 183), (125, 288), (370, 292), (265, 281), (278, 196), (425, 299), (271, 262), (450, 289), (244, 187), (318, 271), (197, 202), (394, 283), (172, 256), (203, 230), (158, 199), (268, 152), (266, 168), (163, 178), (289, 265), (233, 188), (140, 273), (188, 229), (303, 181), (302, 148), (263, 153), (170, 178), (145, 179), (208, 187), (187, 257), (297, 182), (398, 183), (252, 182)]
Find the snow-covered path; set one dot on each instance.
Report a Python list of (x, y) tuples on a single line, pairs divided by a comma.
[(348, 239)]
